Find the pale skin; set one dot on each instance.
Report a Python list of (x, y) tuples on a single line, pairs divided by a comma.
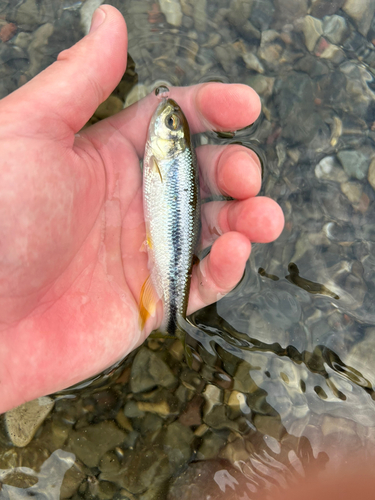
[(72, 228)]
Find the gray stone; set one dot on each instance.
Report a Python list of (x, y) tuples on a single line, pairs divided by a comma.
[(312, 29), (71, 482), (355, 163), (23, 422), (49, 478), (177, 444), (353, 191), (131, 410), (209, 480), (321, 8), (371, 174), (252, 62), (329, 169), (334, 28), (144, 468), (362, 11), (89, 444), (38, 48), (239, 12), (200, 15), (137, 93), (243, 382), (289, 10), (211, 445), (172, 11), (213, 396), (149, 371), (262, 14)]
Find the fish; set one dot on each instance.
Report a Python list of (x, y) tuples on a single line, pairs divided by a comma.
[(171, 205)]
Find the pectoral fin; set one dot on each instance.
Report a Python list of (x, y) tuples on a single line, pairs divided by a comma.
[(155, 167)]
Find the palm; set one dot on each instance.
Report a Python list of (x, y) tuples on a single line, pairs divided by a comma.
[(72, 219)]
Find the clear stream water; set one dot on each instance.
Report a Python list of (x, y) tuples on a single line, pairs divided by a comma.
[(282, 376)]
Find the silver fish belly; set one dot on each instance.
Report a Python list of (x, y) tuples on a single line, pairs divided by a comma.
[(172, 213)]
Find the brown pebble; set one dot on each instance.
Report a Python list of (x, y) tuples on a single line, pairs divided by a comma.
[(7, 32)]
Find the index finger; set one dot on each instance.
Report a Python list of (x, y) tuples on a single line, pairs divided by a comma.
[(207, 106)]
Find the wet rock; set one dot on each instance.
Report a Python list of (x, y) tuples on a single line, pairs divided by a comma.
[(7, 31), (243, 382), (226, 54), (235, 451), (213, 396), (252, 62), (269, 426), (362, 357), (371, 174), (335, 28), (238, 16), (270, 53), (209, 480), (329, 169), (143, 468), (23, 422), (29, 14), (211, 445), (137, 93), (263, 85), (89, 444), (288, 10), (217, 419), (132, 410), (172, 11), (49, 478), (192, 414), (321, 8), (312, 29), (177, 444), (159, 408), (38, 48), (353, 191), (329, 51), (22, 40), (312, 66), (355, 163), (200, 15), (71, 482), (109, 107), (237, 405), (262, 13), (362, 11), (239, 12), (149, 371)]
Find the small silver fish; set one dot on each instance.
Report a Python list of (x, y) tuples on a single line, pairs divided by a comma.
[(172, 214)]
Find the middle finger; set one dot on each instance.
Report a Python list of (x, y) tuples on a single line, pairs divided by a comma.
[(231, 170)]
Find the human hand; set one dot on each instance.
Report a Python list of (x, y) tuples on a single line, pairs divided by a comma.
[(72, 226)]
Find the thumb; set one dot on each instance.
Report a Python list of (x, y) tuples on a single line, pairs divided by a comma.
[(82, 77)]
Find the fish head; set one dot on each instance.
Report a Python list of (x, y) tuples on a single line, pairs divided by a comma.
[(169, 132)]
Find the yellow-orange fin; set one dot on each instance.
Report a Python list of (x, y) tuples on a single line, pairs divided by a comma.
[(155, 167), (147, 302), (147, 244)]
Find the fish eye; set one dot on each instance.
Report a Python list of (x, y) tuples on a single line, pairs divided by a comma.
[(172, 121)]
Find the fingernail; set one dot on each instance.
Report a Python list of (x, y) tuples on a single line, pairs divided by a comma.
[(97, 19)]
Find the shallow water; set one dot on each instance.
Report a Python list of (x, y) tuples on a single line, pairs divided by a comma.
[(282, 374)]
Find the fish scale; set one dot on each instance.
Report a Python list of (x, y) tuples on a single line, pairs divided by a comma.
[(171, 209)]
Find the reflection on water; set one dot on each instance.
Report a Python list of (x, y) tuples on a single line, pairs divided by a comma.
[(281, 377)]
